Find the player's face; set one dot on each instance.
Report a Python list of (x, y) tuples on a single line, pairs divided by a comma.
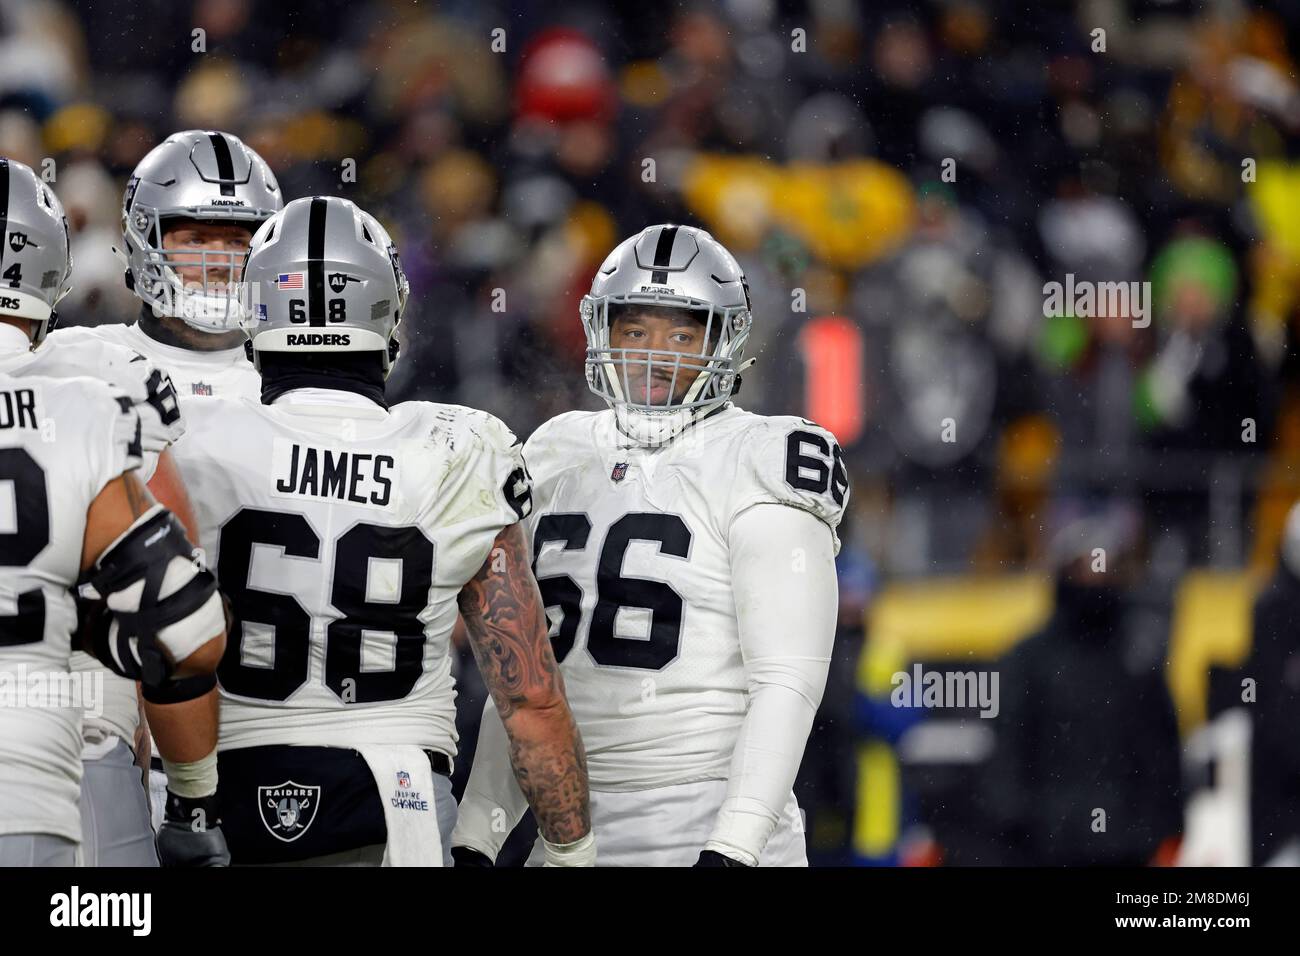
[(671, 330), (188, 239)]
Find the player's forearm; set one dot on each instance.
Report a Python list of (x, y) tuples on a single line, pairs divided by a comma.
[(545, 748), (763, 769), (168, 489), (551, 769), (493, 804), (506, 624), (783, 579), (186, 731)]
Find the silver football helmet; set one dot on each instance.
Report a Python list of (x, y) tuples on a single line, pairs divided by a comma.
[(679, 267), (35, 264), (323, 275), (197, 174)]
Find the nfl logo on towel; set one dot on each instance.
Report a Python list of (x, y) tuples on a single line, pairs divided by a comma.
[(404, 780)]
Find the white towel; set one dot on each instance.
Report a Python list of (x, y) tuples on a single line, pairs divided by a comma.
[(405, 782)]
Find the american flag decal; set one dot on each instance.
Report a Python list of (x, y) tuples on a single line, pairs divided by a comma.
[(290, 282)]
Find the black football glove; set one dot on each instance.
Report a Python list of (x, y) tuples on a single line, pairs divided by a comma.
[(191, 833), (464, 856), (714, 858)]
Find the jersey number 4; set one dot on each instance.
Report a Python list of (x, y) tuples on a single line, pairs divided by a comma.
[(614, 591), (354, 552)]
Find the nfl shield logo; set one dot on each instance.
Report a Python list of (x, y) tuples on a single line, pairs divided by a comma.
[(403, 780), (619, 472), (201, 388), (288, 809)]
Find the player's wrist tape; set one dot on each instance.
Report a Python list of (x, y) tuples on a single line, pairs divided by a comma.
[(578, 853), (179, 691), (194, 779)]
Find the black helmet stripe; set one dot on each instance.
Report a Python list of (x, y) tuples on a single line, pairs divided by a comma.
[(316, 261), (225, 163), (663, 253), (4, 206)]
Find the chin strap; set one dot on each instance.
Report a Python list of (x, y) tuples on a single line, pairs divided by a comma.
[(735, 389)]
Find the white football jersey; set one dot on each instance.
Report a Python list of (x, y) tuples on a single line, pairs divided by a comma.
[(342, 534), (223, 374), (61, 442), (630, 551), (154, 398)]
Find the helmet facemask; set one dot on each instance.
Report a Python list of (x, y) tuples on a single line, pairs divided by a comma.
[(624, 377), (211, 303)]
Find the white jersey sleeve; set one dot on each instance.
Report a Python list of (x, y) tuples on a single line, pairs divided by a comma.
[(117, 448), (790, 461), (154, 399), (493, 804), (485, 488), (787, 631)]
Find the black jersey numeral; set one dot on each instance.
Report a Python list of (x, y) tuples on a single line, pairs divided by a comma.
[(19, 548), (407, 552), (809, 473), (614, 590)]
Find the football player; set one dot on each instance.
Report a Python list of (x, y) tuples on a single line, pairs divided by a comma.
[(189, 210), (35, 261), (68, 448), (346, 535), (188, 213), (686, 548)]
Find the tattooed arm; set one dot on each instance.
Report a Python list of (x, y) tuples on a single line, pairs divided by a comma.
[(506, 622)]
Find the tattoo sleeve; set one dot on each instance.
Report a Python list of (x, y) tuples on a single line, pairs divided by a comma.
[(506, 623)]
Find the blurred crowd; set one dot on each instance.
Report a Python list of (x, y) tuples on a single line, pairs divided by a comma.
[(899, 181)]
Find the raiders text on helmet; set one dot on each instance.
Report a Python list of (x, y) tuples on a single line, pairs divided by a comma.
[(323, 276), (35, 264), (197, 174), (679, 267)]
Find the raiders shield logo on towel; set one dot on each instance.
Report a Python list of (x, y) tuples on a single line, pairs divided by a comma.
[(288, 809)]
